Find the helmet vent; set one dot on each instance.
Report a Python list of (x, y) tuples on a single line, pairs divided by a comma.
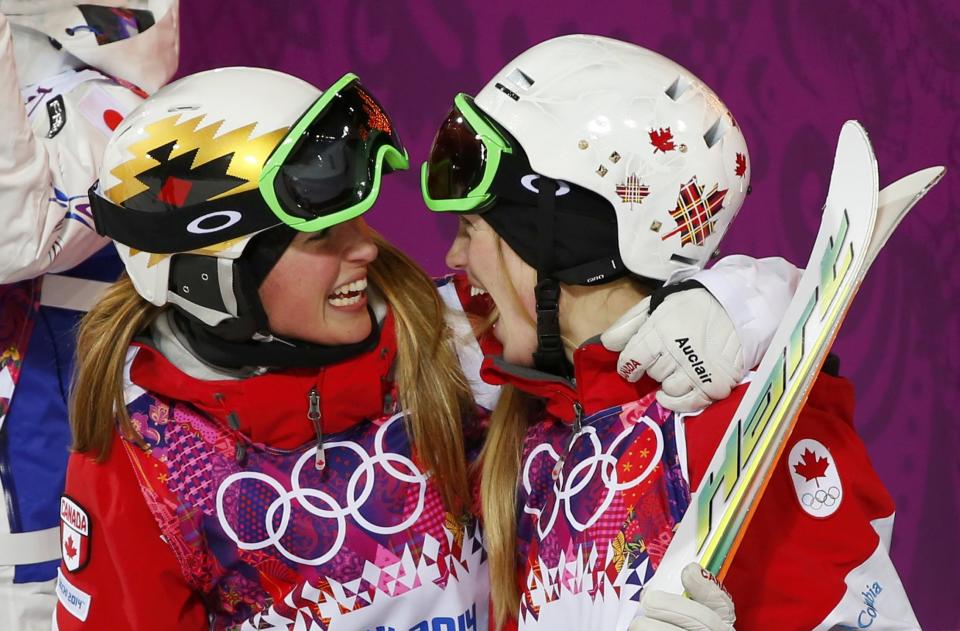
[(513, 95), (713, 135), (520, 79), (683, 259), (677, 88)]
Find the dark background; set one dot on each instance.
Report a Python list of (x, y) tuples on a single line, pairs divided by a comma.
[(791, 72)]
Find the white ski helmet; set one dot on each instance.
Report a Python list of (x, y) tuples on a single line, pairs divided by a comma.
[(616, 119), (209, 161)]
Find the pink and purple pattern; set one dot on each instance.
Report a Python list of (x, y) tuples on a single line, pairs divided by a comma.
[(270, 539), (603, 520)]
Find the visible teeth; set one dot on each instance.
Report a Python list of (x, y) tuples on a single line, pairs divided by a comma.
[(345, 302), (348, 294), (357, 285), (476, 291)]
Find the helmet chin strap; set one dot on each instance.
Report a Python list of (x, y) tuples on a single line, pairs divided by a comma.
[(549, 356)]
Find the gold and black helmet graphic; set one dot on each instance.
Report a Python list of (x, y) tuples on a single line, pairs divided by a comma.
[(187, 186)]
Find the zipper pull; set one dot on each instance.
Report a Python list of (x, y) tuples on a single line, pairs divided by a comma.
[(577, 428), (577, 418), (313, 413)]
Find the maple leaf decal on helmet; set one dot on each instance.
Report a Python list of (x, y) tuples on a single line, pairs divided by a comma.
[(741, 169), (662, 140), (632, 190), (695, 212), (811, 466)]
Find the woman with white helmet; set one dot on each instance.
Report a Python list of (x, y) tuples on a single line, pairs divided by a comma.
[(587, 174), (260, 471)]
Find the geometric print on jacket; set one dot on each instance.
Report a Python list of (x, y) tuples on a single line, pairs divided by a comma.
[(597, 526), (270, 541)]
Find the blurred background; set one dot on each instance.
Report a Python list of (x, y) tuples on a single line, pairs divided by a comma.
[(791, 72)]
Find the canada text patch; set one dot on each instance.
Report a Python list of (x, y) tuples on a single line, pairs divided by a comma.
[(74, 534)]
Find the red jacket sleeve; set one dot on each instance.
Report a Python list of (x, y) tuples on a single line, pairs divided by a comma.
[(124, 576), (814, 542)]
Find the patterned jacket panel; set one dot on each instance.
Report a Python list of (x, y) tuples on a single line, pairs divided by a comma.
[(268, 537)]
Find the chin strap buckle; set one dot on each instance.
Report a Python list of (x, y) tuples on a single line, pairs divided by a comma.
[(549, 356)]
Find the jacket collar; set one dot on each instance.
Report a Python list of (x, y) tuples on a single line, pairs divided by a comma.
[(596, 385), (271, 409)]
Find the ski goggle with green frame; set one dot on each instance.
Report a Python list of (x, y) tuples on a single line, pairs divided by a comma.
[(326, 170), (464, 160)]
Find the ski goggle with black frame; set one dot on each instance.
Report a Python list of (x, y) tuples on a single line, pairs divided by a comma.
[(466, 155), (326, 170)]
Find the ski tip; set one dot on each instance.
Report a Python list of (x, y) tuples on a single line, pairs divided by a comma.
[(854, 127), (935, 174), (923, 180), (854, 178), (910, 189), (854, 134)]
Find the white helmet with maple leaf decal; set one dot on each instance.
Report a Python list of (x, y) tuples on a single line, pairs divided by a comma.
[(613, 118), (213, 160), (585, 123)]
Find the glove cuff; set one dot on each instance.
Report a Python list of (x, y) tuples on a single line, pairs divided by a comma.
[(661, 293)]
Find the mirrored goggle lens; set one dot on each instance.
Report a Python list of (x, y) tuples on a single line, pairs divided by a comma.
[(333, 164), (457, 159)]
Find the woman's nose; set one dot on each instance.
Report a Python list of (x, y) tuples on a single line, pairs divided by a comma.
[(457, 253), (360, 247)]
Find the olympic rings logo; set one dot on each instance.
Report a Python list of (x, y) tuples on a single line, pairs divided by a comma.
[(567, 487), (820, 498), (324, 505)]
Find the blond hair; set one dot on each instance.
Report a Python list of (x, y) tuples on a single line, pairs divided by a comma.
[(500, 470), (429, 378), (96, 398)]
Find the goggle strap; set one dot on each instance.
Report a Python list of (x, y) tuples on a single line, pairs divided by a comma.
[(549, 355), (179, 229), (546, 207)]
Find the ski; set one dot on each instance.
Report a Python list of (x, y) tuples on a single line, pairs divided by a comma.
[(856, 223)]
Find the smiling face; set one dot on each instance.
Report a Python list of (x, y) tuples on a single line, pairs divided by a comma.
[(491, 265), (317, 291)]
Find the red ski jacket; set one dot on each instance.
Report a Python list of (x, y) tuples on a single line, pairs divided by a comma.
[(223, 520), (606, 475)]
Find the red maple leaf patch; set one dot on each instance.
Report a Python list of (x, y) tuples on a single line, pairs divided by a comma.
[(69, 548), (811, 466), (741, 169), (662, 140)]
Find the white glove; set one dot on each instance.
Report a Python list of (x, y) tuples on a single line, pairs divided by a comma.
[(709, 607), (689, 345)]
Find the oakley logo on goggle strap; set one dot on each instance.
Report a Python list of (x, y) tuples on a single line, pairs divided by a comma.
[(527, 180), (223, 219)]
